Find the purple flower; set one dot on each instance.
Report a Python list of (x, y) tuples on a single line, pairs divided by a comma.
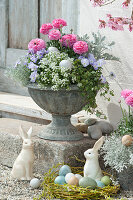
[(103, 79), (100, 62), (17, 63), (31, 51), (95, 66), (85, 62), (112, 75), (80, 57), (33, 58), (25, 63), (91, 58), (41, 53), (33, 76), (32, 66)]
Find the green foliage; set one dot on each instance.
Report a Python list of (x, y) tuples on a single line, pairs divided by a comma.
[(126, 123), (99, 46), (20, 73), (116, 155), (88, 81), (67, 50)]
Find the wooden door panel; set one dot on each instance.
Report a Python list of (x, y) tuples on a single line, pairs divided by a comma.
[(23, 22), (49, 10)]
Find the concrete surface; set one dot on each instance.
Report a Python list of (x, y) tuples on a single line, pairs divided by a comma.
[(47, 153)]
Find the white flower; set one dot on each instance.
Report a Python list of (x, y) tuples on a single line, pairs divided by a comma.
[(79, 84)]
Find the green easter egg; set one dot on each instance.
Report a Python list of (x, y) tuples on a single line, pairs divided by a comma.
[(87, 182), (106, 180)]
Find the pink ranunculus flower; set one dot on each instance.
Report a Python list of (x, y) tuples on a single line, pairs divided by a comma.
[(80, 47), (129, 100), (36, 45), (54, 34), (59, 23), (125, 93), (45, 28), (69, 40)]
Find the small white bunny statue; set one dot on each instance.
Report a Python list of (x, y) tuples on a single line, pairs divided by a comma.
[(23, 165), (91, 167)]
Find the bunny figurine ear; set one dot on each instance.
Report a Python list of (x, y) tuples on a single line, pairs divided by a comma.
[(29, 133), (99, 143), (22, 133)]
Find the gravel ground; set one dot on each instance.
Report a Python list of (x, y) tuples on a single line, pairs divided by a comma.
[(13, 189), (21, 190)]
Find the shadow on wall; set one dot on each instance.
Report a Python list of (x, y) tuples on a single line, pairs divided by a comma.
[(114, 114)]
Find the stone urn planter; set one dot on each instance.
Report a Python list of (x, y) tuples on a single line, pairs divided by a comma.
[(61, 104), (126, 178)]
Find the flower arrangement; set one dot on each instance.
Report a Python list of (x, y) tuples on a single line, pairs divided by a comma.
[(118, 148), (65, 60)]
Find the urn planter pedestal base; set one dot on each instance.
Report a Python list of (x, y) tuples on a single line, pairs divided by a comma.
[(60, 129), (61, 104)]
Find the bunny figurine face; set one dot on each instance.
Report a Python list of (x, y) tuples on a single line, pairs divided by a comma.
[(27, 144), (90, 154)]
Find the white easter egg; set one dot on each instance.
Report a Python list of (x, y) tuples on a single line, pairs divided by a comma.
[(68, 176), (35, 183), (50, 49), (78, 176), (66, 63)]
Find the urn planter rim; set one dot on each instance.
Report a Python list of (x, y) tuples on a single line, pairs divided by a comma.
[(36, 86)]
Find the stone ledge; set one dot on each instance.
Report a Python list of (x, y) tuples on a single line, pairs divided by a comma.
[(24, 108), (47, 153)]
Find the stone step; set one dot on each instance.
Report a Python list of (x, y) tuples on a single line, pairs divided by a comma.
[(23, 108), (47, 153)]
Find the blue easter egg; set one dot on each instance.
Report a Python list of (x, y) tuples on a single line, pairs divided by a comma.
[(60, 180), (65, 169), (100, 184)]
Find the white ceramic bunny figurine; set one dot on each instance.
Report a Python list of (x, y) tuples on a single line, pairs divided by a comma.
[(23, 165), (91, 167)]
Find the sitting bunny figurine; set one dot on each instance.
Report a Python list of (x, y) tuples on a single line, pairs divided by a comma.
[(23, 165), (91, 167)]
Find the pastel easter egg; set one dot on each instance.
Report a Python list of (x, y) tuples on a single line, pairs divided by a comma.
[(106, 180), (73, 181), (65, 169), (100, 184), (35, 183), (127, 140), (60, 180), (78, 176), (53, 49), (66, 63), (68, 176), (87, 182)]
